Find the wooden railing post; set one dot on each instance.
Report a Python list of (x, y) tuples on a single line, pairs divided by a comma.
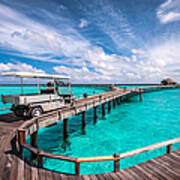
[(140, 94), (169, 148), (21, 140), (116, 163), (77, 168), (40, 159)]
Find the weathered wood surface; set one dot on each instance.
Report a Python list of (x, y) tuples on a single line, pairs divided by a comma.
[(12, 167)]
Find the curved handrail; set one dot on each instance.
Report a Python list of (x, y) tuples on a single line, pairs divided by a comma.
[(149, 148), (116, 157)]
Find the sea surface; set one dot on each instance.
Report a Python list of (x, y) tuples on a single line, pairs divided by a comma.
[(129, 126)]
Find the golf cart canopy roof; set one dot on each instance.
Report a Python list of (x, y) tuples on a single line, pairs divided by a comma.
[(34, 75)]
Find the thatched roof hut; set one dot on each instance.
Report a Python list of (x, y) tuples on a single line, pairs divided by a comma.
[(168, 81)]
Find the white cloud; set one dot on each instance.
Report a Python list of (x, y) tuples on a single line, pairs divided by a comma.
[(35, 40), (83, 23), (137, 51), (79, 74), (169, 11), (151, 65), (20, 67), (30, 37)]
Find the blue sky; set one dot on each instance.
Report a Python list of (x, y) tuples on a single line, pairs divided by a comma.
[(99, 41)]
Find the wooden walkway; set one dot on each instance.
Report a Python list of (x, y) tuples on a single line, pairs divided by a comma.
[(13, 167)]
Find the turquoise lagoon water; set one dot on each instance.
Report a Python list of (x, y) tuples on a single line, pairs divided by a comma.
[(129, 126), (133, 86), (77, 91)]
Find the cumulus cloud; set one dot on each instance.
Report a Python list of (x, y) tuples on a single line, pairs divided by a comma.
[(169, 11), (151, 65), (19, 67), (83, 23), (83, 61), (79, 74)]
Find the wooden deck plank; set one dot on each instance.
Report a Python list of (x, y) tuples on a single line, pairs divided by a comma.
[(144, 173), (126, 174), (151, 171), (93, 177), (56, 176), (85, 177), (20, 164), (175, 159), (2, 163), (134, 174), (138, 174), (100, 177), (168, 168), (34, 173), (173, 163), (14, 169), (157, 170), (27, 172), (7, 166), (41, 174), (114, 176), (107, 176), (120, 175)]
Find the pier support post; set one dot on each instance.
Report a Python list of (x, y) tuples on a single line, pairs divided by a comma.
[(103, 110), (95, 114), (21, 140), (118, 101), (109, 106), (34, 144), (114, 103), (140, 94), (83, 121), (65, 130)]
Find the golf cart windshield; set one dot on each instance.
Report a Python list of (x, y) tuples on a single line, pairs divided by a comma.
[(64, 87)]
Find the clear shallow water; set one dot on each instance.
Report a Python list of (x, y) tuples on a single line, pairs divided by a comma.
[(129, 126), (77, 91), (132, 86)]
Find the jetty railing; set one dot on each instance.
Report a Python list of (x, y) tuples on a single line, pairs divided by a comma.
[(77, 161), (32, 126)]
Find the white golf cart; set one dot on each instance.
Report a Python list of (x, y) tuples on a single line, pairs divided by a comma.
[(57, 94)]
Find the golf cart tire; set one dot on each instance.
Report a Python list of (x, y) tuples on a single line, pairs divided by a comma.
[(35, 112)]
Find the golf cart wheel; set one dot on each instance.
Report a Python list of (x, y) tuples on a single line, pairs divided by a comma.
[(35, 112)]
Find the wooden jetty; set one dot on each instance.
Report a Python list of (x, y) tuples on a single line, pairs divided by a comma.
[(13, 132)]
